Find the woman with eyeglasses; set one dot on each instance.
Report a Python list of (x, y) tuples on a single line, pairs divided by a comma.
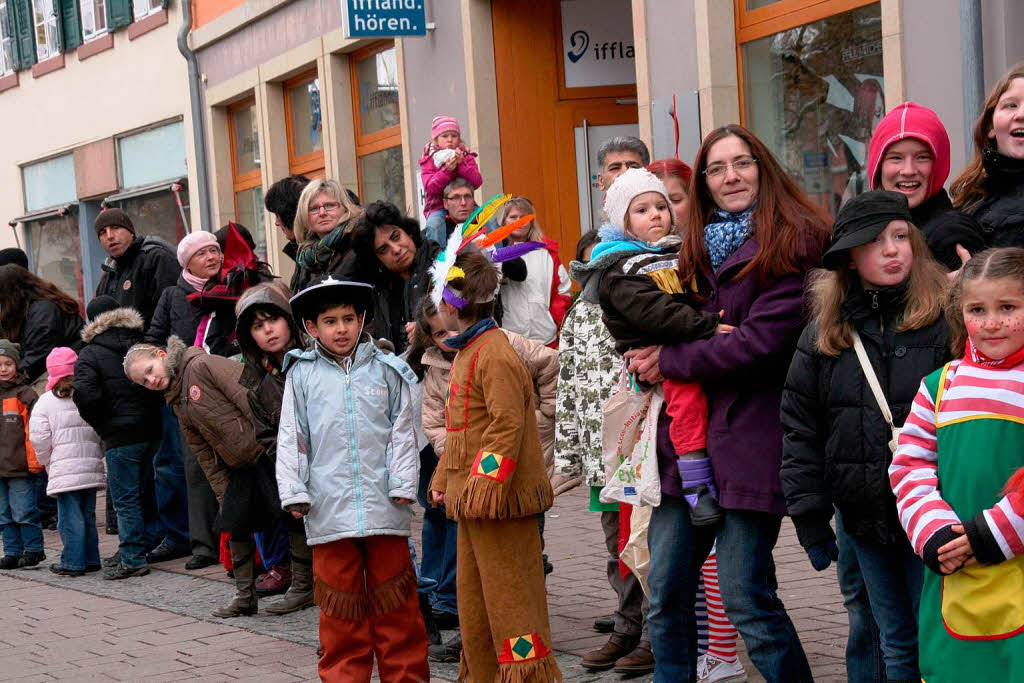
[(324, 219), (751, 237)]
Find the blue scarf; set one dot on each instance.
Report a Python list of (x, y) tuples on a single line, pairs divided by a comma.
[(460, 340), (723, 237)]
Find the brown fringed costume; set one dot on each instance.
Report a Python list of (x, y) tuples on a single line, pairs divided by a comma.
[(495, 484)]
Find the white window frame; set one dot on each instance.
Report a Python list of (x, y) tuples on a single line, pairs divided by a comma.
[(91, 11), (6, 42), (143, 8), (45, 18)]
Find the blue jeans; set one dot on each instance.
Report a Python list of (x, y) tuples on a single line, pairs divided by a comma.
[(137, 527), (678, 550), (170, 488), (893, 576), (746, 573), (439, 541), (19, 516), (273, 545), (47, 506), (76, 523), (435, 228), (864, 663)]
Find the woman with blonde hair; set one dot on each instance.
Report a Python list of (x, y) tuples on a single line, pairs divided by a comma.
[(324, 219), (991, 188), (536, 306)]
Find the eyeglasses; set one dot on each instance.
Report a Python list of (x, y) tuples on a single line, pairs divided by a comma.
[(741, 165), (459, 198), (326, 206)]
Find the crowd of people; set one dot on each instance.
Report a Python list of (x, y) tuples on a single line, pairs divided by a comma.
[(863, 375)]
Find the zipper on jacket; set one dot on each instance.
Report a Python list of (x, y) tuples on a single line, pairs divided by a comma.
[(353, 448)]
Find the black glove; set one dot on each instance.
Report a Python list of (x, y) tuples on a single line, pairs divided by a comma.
[(823, 554)]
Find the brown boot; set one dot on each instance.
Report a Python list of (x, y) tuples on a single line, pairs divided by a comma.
[(639, 661), (300, 593), (244, 604), (618, 646)]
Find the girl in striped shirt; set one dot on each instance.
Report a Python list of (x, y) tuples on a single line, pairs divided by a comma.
[(962, 442)]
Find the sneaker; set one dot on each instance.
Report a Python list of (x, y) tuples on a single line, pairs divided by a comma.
[(10, 561), (122, 572), (112, 561), (711, 670), (165, 552), (32, 558), (276, 581), (64, 571), (447, 652), (200, 562)]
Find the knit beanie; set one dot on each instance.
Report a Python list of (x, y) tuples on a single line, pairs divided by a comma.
[(10, 349), (192, 243), (443, 124), (15, 256), (633, 182), (113, 218), (100, 305), (59, 364)]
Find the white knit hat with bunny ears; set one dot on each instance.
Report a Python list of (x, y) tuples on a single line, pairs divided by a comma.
[(633, 182)]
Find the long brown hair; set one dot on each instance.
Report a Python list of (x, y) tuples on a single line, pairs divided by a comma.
[(1005, 262), (62, 389), (969, 187), (790, 229), (19, 288), (926, 293)]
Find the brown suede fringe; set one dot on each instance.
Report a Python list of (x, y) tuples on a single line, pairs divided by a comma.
[(338, 603), (484, 498), (394, 592), (535, 671)]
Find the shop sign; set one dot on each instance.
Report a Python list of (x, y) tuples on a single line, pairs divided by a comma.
[(816, 168), (597, 43), (383, 18)]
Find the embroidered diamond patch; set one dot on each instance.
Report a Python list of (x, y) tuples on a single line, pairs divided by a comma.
[(524, 648), (493, 466)]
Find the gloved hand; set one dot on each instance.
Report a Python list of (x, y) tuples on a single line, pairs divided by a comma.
[(823, 554)]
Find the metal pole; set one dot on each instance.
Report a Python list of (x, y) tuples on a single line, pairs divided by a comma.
[(196, 105), (586, 156), (972, 68)]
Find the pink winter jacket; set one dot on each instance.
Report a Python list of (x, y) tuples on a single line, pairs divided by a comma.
[(436, 179), (68, 447)]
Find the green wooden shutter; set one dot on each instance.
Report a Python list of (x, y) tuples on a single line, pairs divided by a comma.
[(70, 23), (119, 13), (24, 38)]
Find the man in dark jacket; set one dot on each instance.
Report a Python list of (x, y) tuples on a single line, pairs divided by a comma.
[(137, 268), (282, 199)]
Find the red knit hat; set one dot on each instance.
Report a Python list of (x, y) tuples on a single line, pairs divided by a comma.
[(909, 120)]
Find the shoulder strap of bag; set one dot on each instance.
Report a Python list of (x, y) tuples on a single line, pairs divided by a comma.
[(869, 374)]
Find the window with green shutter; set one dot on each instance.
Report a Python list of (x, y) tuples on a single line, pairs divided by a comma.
[(23, 27), (71, 24), (119, 13)]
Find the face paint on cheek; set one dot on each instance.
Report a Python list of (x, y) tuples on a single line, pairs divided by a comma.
[(973, 325)]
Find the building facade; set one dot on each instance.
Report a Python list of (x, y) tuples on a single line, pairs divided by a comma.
[(95, 96)]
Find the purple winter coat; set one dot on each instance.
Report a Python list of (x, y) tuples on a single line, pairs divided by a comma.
[(742, 374)]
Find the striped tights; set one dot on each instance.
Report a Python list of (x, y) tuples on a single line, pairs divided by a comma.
[(715, 633)]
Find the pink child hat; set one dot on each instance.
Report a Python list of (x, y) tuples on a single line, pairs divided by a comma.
[(60, 364), (443, 124)]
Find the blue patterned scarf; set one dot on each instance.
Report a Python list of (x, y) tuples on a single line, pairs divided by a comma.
[(470, 333), (727, 234)]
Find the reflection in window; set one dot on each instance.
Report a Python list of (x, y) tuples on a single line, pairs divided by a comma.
[(56, 252), (159, 213), (153, 155), (143, 8), (307, 124), (381, 176), (94, 18), (249, 212), (378, 91), (247, 140), (6, 41), (45, 21), (814, 95)]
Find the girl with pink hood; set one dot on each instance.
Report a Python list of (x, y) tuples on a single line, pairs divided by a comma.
[(909, 153)]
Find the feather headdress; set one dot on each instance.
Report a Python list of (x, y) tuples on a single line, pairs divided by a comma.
[(476, 235)]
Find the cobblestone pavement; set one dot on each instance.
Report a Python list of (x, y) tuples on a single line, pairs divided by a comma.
[(159, 628)]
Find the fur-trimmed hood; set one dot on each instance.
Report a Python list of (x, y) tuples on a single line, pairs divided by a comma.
[(127, 318), (174, 363)]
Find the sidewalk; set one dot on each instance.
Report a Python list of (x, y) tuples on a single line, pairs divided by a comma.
[(159, 628)]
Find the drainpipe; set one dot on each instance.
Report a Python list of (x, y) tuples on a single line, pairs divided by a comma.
[(195, 97), (972, 68)]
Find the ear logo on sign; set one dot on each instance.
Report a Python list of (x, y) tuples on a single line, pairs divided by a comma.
[(579, 41)]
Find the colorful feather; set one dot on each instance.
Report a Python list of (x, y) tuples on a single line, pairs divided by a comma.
[(468, 224), (502, 254), (488, 212), (498, 234)]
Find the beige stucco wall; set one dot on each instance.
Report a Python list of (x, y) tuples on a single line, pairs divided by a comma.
[(133, 85)]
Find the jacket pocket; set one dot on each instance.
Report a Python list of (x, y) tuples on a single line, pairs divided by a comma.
[(982, 602)]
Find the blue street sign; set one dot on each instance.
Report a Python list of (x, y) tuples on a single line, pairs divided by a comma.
[(383, 18)]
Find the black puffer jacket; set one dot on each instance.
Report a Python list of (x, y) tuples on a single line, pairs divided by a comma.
[(396, 299), (835, 444), (944, 227), (1001, 213), (121, 411), (140, 275), (46, 327), (174, 315)]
